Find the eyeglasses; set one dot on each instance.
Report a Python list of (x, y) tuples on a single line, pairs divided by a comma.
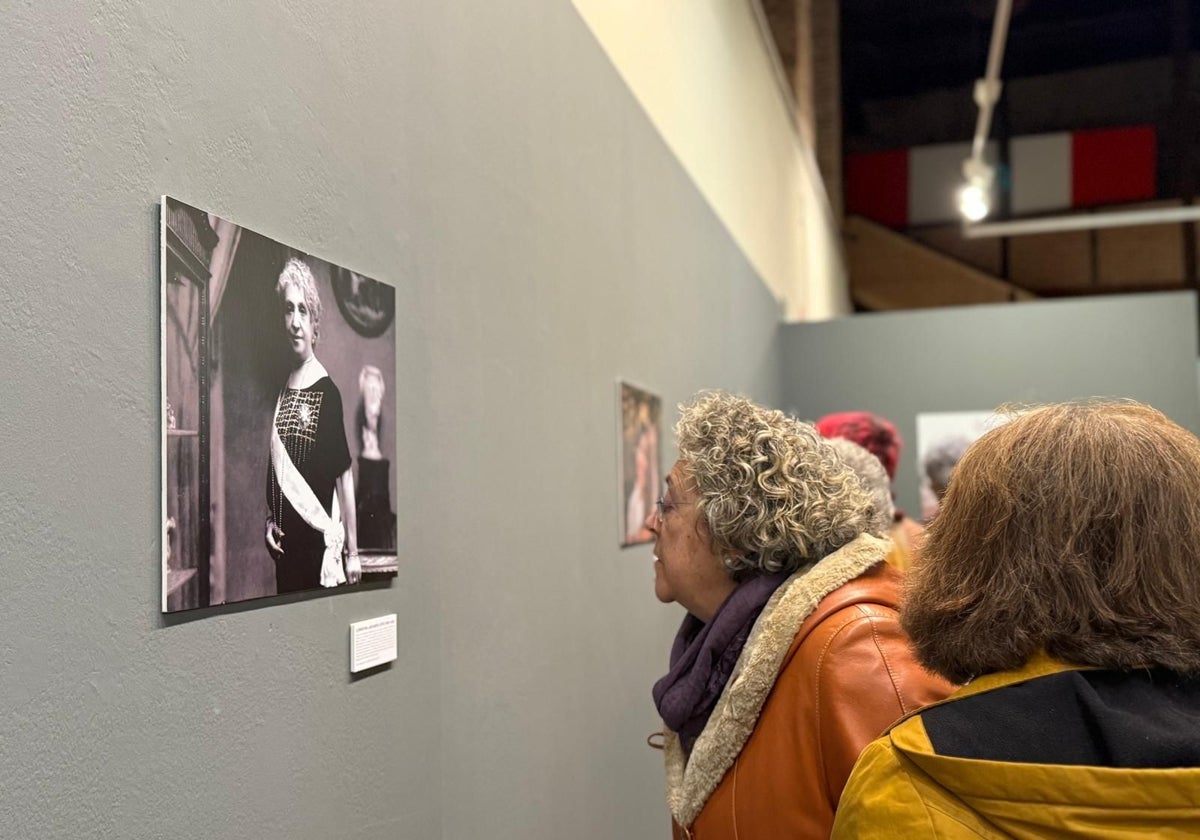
[(663, 506)]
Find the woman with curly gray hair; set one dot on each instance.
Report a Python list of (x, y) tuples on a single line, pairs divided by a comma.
[(790, 659)]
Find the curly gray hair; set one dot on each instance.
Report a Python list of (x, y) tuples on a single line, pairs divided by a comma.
[(772, 492), (874, 480), (297, 273)]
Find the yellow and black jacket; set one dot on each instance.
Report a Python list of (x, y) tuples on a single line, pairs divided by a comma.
[(1047, 751)]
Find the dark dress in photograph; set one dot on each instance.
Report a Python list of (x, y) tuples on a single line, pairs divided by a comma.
[(314, 435)]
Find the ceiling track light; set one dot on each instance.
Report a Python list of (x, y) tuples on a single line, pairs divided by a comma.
[(979, 177), (975, 196)]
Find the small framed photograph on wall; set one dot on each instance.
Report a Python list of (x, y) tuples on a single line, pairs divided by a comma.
[(639, 469), (278, 436)]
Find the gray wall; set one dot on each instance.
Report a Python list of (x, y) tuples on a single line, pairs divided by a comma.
[(975, 358), (486, 159)]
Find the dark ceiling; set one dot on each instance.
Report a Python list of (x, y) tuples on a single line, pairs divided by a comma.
[(895, 48)]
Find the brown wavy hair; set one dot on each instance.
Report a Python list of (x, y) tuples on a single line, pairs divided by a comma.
[(1074, 529)]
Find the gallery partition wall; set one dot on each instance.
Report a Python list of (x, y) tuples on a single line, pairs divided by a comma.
[(902, 364), (543, 243)]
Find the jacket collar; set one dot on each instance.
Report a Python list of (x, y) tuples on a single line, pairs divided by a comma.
[(690, 781), (1041, 664)]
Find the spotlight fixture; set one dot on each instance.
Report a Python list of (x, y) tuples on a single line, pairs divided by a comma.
[(973, 203), (975, 196)]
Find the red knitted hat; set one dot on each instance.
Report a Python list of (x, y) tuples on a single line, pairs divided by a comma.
[(873, 433)]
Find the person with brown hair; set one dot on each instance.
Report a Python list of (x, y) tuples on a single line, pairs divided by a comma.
[(1061, 582), (790, 659)]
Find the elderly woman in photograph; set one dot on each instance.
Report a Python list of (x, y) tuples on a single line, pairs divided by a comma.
[(1061, 582), (790, 659), (308, 525)]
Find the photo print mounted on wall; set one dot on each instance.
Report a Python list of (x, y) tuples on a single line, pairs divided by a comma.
[(942, 438), (639, 474), (278, 435)]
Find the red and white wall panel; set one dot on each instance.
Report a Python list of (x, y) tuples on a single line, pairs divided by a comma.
[(1048, 172)]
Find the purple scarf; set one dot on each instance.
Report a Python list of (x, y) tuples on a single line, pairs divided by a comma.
[(703, 657)]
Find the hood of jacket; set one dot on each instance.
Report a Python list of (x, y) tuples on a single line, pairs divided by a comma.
[(1038, 800), (691, 780)]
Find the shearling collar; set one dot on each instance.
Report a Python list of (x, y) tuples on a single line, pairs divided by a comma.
[(691, 781)]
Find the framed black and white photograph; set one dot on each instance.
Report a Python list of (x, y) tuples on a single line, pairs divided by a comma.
[(278, 436), (639, 480)]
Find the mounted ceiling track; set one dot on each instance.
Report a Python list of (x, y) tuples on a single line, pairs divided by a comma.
[(1083, 221), (975, 196)]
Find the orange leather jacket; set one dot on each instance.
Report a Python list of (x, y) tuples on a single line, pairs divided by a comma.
[(825, 671), (906, 536)]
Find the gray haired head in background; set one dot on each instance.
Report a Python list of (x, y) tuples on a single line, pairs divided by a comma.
[(939, 462), (874, 480)]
